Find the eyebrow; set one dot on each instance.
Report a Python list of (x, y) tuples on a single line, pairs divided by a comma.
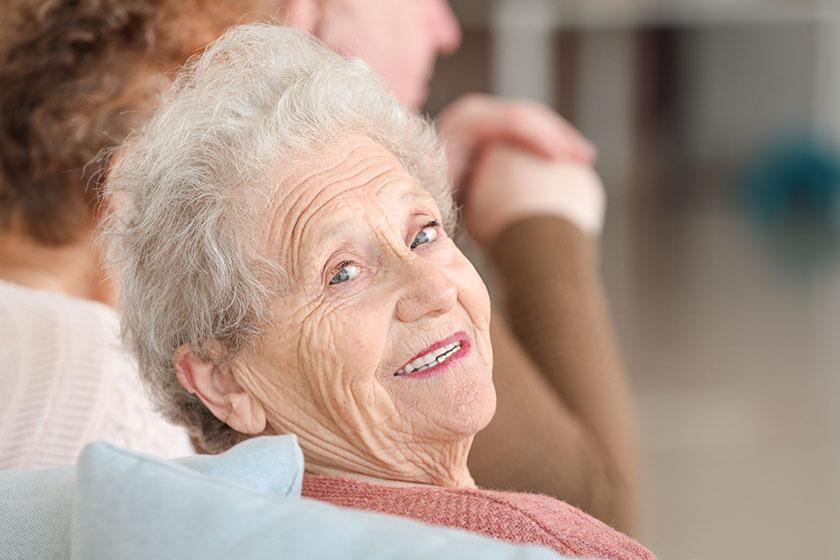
[(327, 242)]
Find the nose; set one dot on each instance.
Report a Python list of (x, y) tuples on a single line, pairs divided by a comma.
[(445, 26), (428, 292)]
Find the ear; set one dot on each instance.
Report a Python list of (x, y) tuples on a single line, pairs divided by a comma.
[(304, 14), (219, 391)]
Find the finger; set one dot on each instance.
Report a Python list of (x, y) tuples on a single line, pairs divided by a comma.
[(476, 121), (576, 142), (532, 126), (561, 139)]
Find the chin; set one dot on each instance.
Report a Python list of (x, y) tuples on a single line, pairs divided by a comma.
[(472, 410), (413, 95)]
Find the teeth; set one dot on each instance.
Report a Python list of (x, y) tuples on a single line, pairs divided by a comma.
[(432, 358)]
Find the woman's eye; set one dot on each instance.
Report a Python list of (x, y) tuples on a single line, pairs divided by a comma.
[(346, 271), (426, 235)]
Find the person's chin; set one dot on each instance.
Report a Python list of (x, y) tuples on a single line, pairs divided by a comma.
[(414, 95), (472, 409)]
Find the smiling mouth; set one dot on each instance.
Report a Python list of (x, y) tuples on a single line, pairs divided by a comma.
[(436, 357)]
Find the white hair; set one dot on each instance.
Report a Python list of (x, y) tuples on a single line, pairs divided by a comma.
[(189, 195)]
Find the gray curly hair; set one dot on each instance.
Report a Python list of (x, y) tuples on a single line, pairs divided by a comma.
[(188, 193)]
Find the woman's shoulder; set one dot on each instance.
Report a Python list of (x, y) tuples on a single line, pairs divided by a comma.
[(50, 336), (514, 517), (551, 522), (65, 380), (26, 306)]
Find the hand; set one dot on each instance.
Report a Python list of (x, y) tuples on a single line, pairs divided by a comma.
[(475, 121), (509, 184)]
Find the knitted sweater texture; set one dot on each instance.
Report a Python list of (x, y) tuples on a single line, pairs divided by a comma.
[(515, 517), (65, 381)]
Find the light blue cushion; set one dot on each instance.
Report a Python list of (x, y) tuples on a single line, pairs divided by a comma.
[(36, 505), (35, 513), (128, 506), (269, 465)]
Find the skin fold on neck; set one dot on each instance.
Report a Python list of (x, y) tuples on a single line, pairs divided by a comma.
[(418, 464), (447, 468)]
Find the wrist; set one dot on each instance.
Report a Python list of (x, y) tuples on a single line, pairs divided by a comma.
[(507, 192), (576, 195)]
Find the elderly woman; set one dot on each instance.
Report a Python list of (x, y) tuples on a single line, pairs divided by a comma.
[(281, 234), (78, 75)]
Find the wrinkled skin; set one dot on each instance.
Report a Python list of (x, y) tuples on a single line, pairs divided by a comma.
[(325, 370)]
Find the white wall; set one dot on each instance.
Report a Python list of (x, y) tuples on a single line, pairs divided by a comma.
[(744, 85)]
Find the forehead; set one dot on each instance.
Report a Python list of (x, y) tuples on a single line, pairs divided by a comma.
[(348, 180), (352, 171)]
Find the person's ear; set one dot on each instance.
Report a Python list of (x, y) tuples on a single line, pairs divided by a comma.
[(217, 388), (304, 14)]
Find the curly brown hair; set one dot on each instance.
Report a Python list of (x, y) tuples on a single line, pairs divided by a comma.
[(77, 76)]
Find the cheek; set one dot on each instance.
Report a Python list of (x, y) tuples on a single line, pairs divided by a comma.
[(475, 298), (473, 289), (321, 362), (460, 401), (339, 351), (335, 343)]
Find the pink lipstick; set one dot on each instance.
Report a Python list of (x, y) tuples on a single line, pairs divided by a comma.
[(437, 357)]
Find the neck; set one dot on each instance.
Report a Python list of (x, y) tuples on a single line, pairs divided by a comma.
[(441, 466), (463, 482), (376, 458), (74, 269)]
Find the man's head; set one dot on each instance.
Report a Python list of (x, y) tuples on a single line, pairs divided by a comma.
[(400, 39)]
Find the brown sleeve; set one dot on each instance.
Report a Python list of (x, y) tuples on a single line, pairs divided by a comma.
[(564, 424)]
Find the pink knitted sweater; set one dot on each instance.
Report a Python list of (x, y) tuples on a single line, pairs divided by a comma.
[(518, 518)]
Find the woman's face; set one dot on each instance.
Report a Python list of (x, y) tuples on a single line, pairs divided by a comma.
[(381, 348), (400, 39)]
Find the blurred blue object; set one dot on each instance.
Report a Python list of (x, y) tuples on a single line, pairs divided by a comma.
[(795, 183), (792, 191)]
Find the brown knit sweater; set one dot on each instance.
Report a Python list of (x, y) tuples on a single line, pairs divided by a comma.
[(516, 518), (558, 378)]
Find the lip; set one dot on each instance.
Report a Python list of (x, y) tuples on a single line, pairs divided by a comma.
[(462, 352)]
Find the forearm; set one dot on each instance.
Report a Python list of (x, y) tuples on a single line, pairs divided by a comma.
[(558, 315)]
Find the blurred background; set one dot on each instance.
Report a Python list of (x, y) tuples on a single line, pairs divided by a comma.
[(718, 127)]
